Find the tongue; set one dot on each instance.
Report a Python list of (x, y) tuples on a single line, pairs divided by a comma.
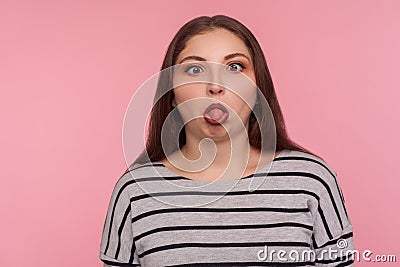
[(216, 114)]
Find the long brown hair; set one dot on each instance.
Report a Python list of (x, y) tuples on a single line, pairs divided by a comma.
[(154, 150)]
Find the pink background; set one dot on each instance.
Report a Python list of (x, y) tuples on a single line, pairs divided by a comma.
[(69, 69)]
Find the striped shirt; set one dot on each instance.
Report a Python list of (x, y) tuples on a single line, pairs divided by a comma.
[(289, 213)]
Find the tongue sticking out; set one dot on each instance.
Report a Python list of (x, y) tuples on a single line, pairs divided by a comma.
[(216, 113), (216, 116)]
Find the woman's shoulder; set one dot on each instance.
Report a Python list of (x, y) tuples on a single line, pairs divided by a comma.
[(137, 174), (301, 161), (309, 171)]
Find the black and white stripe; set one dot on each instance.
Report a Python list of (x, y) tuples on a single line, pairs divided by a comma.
[(139, 228)]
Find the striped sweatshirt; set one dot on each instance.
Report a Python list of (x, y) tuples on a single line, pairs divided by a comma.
[(289, 213)]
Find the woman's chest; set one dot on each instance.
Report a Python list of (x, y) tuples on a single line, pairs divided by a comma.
[(235, 228)]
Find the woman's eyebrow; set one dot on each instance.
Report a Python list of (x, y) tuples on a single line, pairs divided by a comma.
[(227, 57)]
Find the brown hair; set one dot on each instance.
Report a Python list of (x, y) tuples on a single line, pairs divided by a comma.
[(154, 150)]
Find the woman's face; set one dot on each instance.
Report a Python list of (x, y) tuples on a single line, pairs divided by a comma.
[(229, 81)]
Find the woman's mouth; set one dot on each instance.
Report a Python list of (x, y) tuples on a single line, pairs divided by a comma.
[(216, 114)]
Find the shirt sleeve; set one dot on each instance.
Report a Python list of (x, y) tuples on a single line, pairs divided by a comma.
[(117, 243), (332, 239)]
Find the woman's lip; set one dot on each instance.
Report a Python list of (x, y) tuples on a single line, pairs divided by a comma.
[(215, 121), (215, 105)]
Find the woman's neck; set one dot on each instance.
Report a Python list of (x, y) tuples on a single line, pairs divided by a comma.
[(224, 154)]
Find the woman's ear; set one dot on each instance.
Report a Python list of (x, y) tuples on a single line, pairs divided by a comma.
[(173, 102)]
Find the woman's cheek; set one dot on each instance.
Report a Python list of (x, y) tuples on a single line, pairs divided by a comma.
[(190, 102)]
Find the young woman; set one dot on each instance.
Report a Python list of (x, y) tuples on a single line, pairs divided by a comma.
[(296, 216)]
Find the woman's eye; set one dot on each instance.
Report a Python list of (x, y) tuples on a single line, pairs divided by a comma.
[(194, 70), (238, 67)]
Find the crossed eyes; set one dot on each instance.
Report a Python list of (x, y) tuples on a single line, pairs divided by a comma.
[(194, 69)]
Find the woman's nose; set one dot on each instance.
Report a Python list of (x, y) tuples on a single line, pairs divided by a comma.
[(215, 89), (214, 79)]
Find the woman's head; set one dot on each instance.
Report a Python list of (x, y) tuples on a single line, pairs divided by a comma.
[(257, 71), (214, 67)]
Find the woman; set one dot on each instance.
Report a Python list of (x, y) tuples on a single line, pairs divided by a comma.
[(298, 209)]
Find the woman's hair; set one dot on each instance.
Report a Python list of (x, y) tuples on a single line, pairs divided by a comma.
[(154, 150)]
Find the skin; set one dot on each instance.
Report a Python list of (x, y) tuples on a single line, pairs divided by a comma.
[(215, 46)]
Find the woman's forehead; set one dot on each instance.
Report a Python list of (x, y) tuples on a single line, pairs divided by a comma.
[(214, 45)]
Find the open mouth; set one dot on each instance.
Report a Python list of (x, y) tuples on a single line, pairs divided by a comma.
[(216, 114)]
